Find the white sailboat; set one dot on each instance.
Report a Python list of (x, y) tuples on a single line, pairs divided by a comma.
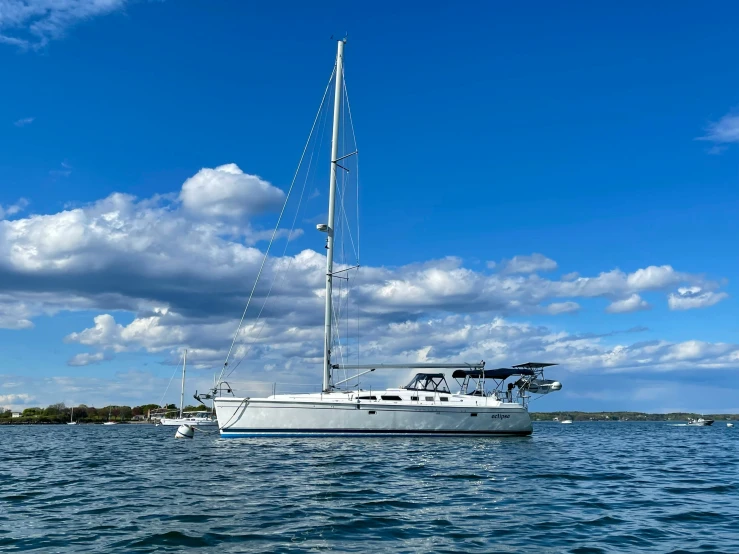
[(109, 422), (71, 418), (426, 406), (199, 418)]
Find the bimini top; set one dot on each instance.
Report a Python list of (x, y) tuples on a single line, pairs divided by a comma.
[(531, 365), (428, 382), (500, 373)]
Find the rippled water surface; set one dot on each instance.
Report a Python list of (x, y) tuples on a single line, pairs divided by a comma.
[(581, 488)]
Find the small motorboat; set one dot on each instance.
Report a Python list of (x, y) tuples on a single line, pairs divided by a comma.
[(566, 421), (730, 425), (700, 422)]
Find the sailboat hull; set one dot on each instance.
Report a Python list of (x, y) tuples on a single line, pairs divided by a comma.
[(277, 416)]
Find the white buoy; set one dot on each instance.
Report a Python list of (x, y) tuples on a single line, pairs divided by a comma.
[(185, 431)]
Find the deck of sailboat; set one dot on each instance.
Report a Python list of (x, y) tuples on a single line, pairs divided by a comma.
[(382, 398)]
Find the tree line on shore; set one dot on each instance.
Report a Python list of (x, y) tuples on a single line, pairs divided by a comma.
[(626, 416), (60, 413)]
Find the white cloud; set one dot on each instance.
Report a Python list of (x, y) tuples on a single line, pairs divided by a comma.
[(16, 401), (688, 298), (86, 358), (633, 303), (653, 277), (15, 313), (226, 191), (13, 209), (497, 341), (556, 308), (123, 253), (723, 131), (184, 275), (529, 264), (33, 23), (24, 121)]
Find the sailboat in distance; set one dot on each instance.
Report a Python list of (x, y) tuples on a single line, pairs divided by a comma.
[(71, 418), (482, 405), (200, 417), (109, 422)]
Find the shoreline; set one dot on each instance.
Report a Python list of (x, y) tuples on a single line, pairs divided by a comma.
[(537, 417)]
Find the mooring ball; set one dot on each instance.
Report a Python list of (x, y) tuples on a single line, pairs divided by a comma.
[(184, 431)]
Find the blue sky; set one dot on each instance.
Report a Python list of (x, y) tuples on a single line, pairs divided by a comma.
[(601, 138)]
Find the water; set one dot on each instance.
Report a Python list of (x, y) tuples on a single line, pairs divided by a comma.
[(581, 488)]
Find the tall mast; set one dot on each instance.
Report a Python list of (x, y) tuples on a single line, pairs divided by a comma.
[(182, 392), (331, 205)]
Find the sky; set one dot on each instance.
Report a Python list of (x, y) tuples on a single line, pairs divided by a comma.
[(539, 182)]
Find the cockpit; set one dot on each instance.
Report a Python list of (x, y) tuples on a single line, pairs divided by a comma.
[(431, 382)]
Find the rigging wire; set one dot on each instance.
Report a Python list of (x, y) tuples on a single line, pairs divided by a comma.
[(170, 382), (315, 145), (356, 171), (274, 233), (289, 263)]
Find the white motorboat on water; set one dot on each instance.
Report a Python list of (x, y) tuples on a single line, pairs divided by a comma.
[(200, 418), (566, 421), (700, 422), (484, 404), (730, 425)]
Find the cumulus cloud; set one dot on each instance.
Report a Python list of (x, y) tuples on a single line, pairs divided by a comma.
[(184, 274), (228, 192), (633, 303), (529, 264), (498, 341), (33, 23), (723, 131), (688, 298), (16, 401), (124, 253)]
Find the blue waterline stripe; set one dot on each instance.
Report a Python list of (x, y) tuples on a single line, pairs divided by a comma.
[(238, 433)]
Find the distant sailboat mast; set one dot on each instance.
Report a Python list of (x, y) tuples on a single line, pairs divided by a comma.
[(330, 223), (182, 390)]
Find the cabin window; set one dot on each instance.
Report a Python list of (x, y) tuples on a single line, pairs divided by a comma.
[(372, 412), (429, 399), (444, 398), (473, 415), (391, 397), (414, 398), (366, 398)]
